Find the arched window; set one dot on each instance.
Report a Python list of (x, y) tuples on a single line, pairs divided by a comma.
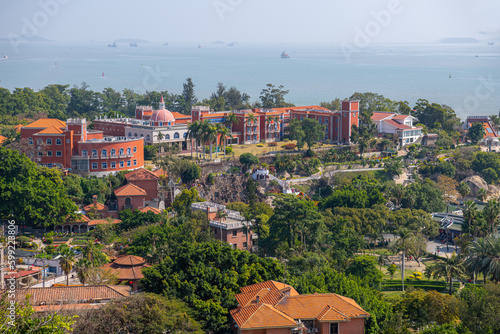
[(130, 134), (121, 151), (142, 135), (30, 141), (58, 141), (49, 141), (39, 141), (84, 153), (176, 135), (113, 152), (94, 153), (135, 149), (104, 153), (184, 135), (148, 137), (128, 202), (128, 150), (167, 136), (135, 135)]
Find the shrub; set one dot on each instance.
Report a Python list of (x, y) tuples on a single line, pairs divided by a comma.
[(211, 178), (229, 150), (260, 145), (290, 146)]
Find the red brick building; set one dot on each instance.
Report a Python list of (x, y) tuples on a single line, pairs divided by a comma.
[(276, 308), (232, 228), (71, 145)]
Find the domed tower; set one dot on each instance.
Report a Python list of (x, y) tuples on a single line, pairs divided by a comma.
[(162, 116)]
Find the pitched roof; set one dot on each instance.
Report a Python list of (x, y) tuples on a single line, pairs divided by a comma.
[(402, 117), (103, 221), (378, 116), (160, 172), (50, 130), (130, 190), (18, 127), (261, 316), (46, 122), (179, 115), (96, 206), (273, 285), (141, 174), (259, 296), (330, 313), (311, 306), (71, 294), (127, 268), (397, 125), (129, 260), (148, 209)]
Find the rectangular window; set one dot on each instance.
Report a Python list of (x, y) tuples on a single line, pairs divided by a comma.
[(135, 162), (94, 165), (121, 164), (235, 233), (128, 163), (113, 165), (104, 165), (58, 154), (49, 153), (334, 328), (49, 165), (40, 154), (215, 231)]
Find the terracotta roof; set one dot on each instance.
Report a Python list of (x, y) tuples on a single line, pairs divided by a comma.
[(402, 117), (259, 296), (130, 190), (67, 307), (331, 314), (22, 273), (148, 209), (311, 306), (179, 115), (378, 116), (2, 139), (273, 285), (18, 127), (96, 206), (70, 294), (141, 174), (103, 221), (129, 260), (46, 122), (50, 130), (159, 172), (261, 316), (397, 125)]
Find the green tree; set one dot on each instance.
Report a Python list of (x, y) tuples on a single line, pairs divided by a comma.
[(248, 159), (463, 189), (274, 97), (31, 194), (66, 261), (476, 133), (391, 269), (313, 130), (365, 269), (189, 97), (451, 267), (183, 201), (297, 133)]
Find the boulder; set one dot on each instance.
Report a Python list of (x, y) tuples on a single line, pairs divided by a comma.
[(493, 191), (475, 183)]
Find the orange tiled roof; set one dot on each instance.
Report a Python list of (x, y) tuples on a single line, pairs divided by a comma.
[(130, 190), (71, 294), (401, 117), (129, 260), (148, 209), (179, 115), (127, 268), (259, 296), (160, 172), (50, 130), (330, 313), (96, 206), (46, 122), (103, 221), (310, 306), (2, 139), (141, 174), (273, 285), (18, 127), (261, 316)]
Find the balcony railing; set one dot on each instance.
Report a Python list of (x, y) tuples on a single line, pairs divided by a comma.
[(113, 156), (104, 156)]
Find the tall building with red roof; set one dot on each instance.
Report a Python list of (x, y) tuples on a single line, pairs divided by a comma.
[(71, 145), (274, 307), (489, 131)]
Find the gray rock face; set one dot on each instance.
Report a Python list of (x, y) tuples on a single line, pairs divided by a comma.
[(475, 183)]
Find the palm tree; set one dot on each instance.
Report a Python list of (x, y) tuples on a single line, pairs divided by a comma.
[(219, 129), (463, 189), (470, 212), (246, 223), (382, 259), (204, 130), (231, 119), (451, 267), (211, 137), (89, 250), (481, 194), (66, 261), (484, 257), (491, 212), (82, 268), (191, 134), (404, 234), (224, 132)]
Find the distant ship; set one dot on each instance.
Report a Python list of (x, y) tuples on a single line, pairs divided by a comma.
[(232, 44), (4, 58), (284, 55), (166, 43), (134, 45), (491, 43), (112, 45)]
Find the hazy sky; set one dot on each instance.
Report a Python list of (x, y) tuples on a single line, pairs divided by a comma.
[(385, 21)]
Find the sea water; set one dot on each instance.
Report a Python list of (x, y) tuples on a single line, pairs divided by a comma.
[(465, 77)]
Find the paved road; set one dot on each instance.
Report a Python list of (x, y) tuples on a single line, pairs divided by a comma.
[(58, 279)]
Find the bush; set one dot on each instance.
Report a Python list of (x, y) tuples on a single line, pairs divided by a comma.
[(260, 145), (229, 150), (211, 178), (290, 146)]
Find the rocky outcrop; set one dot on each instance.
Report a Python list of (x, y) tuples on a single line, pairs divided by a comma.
[(475, 183)]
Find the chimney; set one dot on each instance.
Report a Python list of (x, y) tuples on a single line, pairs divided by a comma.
[(94, 199), (257, 299)]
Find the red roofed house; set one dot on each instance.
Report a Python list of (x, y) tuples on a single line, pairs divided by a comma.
[(402, 125), (489, 131), (276, 308), (127, 269), (84, 224), (71, 145), (130, 196)]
